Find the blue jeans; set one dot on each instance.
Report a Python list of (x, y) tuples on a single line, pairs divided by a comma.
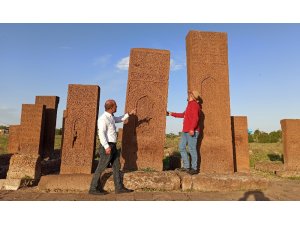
[(192, 143)]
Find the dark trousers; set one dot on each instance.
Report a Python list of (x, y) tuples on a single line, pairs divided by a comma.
[(114, 159)]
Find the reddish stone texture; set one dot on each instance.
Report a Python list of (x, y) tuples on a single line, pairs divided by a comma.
[(207, 68), (240, 143), (120, 134), (32, 129), (80, 129), (291, 144), (51, 103), (147, 91), (13, 139)]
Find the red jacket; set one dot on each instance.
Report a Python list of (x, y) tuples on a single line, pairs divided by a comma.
[(191, 116)]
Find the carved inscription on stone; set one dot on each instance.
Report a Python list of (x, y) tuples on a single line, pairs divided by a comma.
[(147, 91), (32, 129), (13, 139), (51, 103), (80, 119), (291, 144), (207, 66), (240, 143)]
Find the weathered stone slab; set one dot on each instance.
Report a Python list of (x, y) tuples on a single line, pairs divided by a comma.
[(166, 181), (207, 68), (240, 143), (147, 91), (218, 182), (138, 180), (51, 103), (290, 174), (32, 129), (291, 144), (24, 166), (13, 139), (271, 167), (80, 129), (11, 184)]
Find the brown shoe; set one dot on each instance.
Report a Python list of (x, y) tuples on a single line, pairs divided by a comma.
[(123, 190), (97, 192), (193, 172)]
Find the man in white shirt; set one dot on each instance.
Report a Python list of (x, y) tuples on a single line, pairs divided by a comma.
[(108, 150)]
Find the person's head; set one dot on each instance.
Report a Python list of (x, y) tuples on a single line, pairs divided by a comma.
[(193, 95), (110, 106)]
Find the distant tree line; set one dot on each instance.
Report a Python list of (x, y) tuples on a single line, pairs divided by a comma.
[(264, 137)]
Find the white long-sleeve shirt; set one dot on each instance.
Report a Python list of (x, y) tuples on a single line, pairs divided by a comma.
[(107, 129)]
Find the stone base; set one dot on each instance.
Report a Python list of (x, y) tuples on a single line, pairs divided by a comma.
[(163, 181), (24, 166), (220, 182), (10, 184), (270, 167), (288, 173)]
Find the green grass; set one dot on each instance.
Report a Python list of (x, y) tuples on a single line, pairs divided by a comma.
[(3, 144), (265, 152), (57, 143)]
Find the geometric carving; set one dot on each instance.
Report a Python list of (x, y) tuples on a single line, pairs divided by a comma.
[(207, 70), (79, 129), (291, 144), (147, 91), (240, 143), (51, 103), (32, 129)]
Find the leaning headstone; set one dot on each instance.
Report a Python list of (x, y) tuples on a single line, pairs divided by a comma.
[(207, 68), (32, 129), (80, 122), (147, 91), (13, 139), (240, 143), (291, 144), (51, 103)]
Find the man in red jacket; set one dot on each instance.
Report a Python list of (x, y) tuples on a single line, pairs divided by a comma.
[(190, 132)]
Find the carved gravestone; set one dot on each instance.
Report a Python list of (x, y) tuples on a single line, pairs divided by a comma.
[(240, 143), (147, 91), (80, 122), (32, 129), (207, 67), (291, 144), (13, 139), (51, 103)]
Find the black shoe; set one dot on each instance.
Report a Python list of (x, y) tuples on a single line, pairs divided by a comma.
[(193, 172), (183, 169), (97, 192), (123, 190)]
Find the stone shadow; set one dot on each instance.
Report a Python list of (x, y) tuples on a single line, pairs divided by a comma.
[(258, 196), (201, 133)]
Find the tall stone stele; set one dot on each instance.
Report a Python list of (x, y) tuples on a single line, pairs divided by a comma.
[(147, 91), (51, 104), (291, 144), (80, 122), (207, 71)]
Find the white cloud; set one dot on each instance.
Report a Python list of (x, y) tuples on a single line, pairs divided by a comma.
[(102, 60), (123, 64), (174, 66)]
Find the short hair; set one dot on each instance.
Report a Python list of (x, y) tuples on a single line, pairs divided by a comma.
[(109, 104)]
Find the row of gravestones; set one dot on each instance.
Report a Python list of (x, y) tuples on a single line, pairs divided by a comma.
[(223, 141)]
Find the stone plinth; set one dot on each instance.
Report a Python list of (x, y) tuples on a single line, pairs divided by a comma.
[(147, 91), (13, 139), (51, 103), (240, 143), (291, 144), (207, 68), (24, 166), (80, 122), (32, 129), (218, 182)]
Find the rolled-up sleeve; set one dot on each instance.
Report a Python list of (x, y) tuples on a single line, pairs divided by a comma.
[(120, 119), (102, 130)]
